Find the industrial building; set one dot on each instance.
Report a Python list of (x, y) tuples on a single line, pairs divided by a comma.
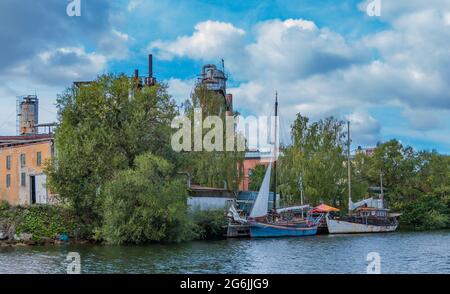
[(22, 157), (215, 80), (252, 159)]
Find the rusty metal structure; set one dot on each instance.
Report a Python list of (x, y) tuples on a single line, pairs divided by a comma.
[(148, 80), (215, 79), (27, 109)]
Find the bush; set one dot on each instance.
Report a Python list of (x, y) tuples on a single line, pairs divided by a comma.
[(145, 204), (42, 221), (426, 212), (4, 205), (210, 223)]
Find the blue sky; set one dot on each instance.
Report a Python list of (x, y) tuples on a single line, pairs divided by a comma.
[(387, 74)]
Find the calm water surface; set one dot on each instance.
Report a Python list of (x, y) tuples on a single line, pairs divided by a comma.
[(427, 252)]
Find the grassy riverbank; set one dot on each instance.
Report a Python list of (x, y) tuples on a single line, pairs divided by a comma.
[(53, 224), (40, 224)]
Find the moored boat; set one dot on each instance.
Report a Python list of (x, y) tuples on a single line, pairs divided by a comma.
[(263, 224), (364, 220), (322, 211), (366, 216), (268, 229)]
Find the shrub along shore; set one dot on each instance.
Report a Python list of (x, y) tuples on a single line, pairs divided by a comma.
[(55, 224)]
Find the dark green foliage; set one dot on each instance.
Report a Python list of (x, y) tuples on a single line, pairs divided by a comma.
[(103, 127), (145, 204), (425, 212), (257, 177), (210, 223), (417, 183), (4, 205), (43, 221), (317, 154), (219, 169)]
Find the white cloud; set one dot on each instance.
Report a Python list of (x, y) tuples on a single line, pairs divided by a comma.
[(47, 74), (114, 45), (364, 128), (133, 4), (61, 66), (211, 40), (319, 72), (293, 49), (180, 90), (46, 54)]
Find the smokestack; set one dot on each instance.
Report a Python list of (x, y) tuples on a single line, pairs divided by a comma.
[(150, 66), (229, 102)]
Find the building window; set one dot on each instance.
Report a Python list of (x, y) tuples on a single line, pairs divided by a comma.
[(23, 178), (39, 159), (8, 181), (22, 160), (8, 162)]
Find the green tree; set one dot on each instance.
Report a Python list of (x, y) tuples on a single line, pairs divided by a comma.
[(257, 177), (220, 169), (417, 184), (316, 154), (103, 126), (146, 204)]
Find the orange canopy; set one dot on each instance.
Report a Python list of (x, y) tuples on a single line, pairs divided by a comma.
[(323, 208)]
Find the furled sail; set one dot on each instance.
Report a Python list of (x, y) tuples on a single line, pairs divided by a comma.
[(262, 199), (293, 208), (370, 202)]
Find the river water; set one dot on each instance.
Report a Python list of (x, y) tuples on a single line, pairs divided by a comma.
[(400, 252)]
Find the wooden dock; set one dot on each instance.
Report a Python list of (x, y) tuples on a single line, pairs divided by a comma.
[(238, 231)]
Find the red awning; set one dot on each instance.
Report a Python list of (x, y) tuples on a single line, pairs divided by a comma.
[(323, 208)]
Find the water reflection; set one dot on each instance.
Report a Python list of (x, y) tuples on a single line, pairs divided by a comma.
[(400, 253)]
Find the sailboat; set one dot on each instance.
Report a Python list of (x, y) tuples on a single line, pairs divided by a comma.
[(264, 224), (366, 216)]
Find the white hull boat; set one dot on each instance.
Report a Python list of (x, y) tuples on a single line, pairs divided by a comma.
[(344, 227)]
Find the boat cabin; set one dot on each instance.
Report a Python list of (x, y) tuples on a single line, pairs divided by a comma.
[(372, 212)]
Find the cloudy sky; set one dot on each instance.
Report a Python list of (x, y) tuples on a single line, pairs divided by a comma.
[(388, 74)]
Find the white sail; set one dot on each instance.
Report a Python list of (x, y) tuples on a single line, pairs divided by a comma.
[(262, 200)]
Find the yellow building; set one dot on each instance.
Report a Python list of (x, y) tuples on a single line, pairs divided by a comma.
[(22, 180)]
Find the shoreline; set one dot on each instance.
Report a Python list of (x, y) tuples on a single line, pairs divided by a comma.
[(57, 243)]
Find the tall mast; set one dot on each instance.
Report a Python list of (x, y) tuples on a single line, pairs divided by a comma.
[(349, 169), (300, 181), (381, 190), (275, 156)]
